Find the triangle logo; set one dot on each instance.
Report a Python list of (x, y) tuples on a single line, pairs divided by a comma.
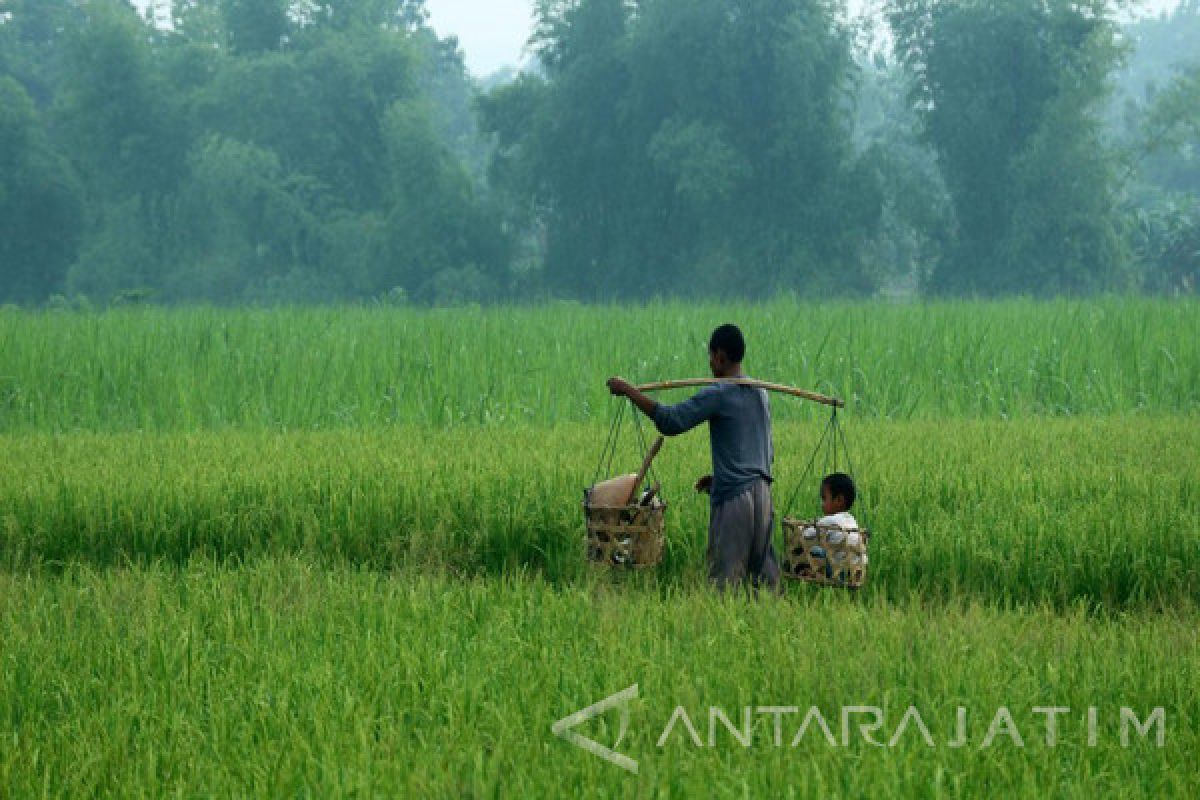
[(564, 728)]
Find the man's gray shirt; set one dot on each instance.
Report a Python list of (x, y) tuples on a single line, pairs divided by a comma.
[(739, 433)]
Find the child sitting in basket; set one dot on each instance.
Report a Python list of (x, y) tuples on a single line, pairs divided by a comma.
[(837, 496)]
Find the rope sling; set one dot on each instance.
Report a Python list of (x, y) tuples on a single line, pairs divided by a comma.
[(832, 436)]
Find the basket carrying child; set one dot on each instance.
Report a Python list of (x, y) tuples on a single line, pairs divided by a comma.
[(741, 513)]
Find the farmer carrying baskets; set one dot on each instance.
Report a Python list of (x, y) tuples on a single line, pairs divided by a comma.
[(741, 513)]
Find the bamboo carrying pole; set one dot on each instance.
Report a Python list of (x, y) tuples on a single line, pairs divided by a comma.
[(770, 387), (650, 454)]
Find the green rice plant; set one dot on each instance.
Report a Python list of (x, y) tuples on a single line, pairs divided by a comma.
[(287, 678), (326, 552), (1059, 511), (316, 369)]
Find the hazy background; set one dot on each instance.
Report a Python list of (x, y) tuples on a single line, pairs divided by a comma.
[(493, 33), (446, 152)]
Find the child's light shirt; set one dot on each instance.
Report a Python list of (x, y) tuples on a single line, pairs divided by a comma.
[(843, 520)]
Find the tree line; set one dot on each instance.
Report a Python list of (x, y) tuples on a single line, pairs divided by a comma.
[(281, 151)]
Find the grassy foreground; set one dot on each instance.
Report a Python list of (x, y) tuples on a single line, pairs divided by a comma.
[(282, 678)]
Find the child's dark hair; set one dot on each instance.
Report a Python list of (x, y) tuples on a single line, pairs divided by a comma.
[(841, 485), (728, 338)]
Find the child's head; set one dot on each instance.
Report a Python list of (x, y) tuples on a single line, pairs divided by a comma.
[(726, 349), (837, 493)]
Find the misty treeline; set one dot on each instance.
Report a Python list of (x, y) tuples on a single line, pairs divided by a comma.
[(268, 151)]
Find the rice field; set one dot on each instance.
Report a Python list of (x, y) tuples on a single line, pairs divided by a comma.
[(334, 552), (1095, 511), (284, 678), (152, 369)]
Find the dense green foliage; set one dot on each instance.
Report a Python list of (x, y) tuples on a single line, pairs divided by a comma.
[(1159, 121), (243, 153), (40, 207), (297, 151), (690, 147), (1009, 94)]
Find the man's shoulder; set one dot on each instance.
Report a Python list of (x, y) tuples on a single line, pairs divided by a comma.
[(748, 388), (735, 399), (724, 394), (736, 387), (719, 392)]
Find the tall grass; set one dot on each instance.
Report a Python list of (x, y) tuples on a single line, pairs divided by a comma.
[(339, 551), (1045, 511), (332, 368), (282, 678)]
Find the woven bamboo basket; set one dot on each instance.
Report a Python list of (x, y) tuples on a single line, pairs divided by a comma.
[(825, 555), (625, 536)]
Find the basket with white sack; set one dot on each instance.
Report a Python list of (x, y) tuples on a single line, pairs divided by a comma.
[(625, 522), (626, 536)]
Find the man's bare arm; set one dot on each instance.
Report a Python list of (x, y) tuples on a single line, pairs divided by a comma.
[(623, 388)]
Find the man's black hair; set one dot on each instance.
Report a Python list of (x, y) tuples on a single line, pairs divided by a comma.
[(728, 338), (841, 485)]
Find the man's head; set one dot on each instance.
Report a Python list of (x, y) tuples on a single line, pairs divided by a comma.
[(837, 493), (726, 349)]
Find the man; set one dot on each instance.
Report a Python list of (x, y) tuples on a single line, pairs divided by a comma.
[(741, 515)]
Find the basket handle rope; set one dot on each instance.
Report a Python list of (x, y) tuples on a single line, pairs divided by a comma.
[(609, 450), (610, 443), (831, 437), (863, 512), (812, 460)]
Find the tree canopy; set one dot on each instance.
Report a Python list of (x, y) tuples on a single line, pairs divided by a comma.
[(280, 151), (1009, 94), (249, 151), (689, 147)]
